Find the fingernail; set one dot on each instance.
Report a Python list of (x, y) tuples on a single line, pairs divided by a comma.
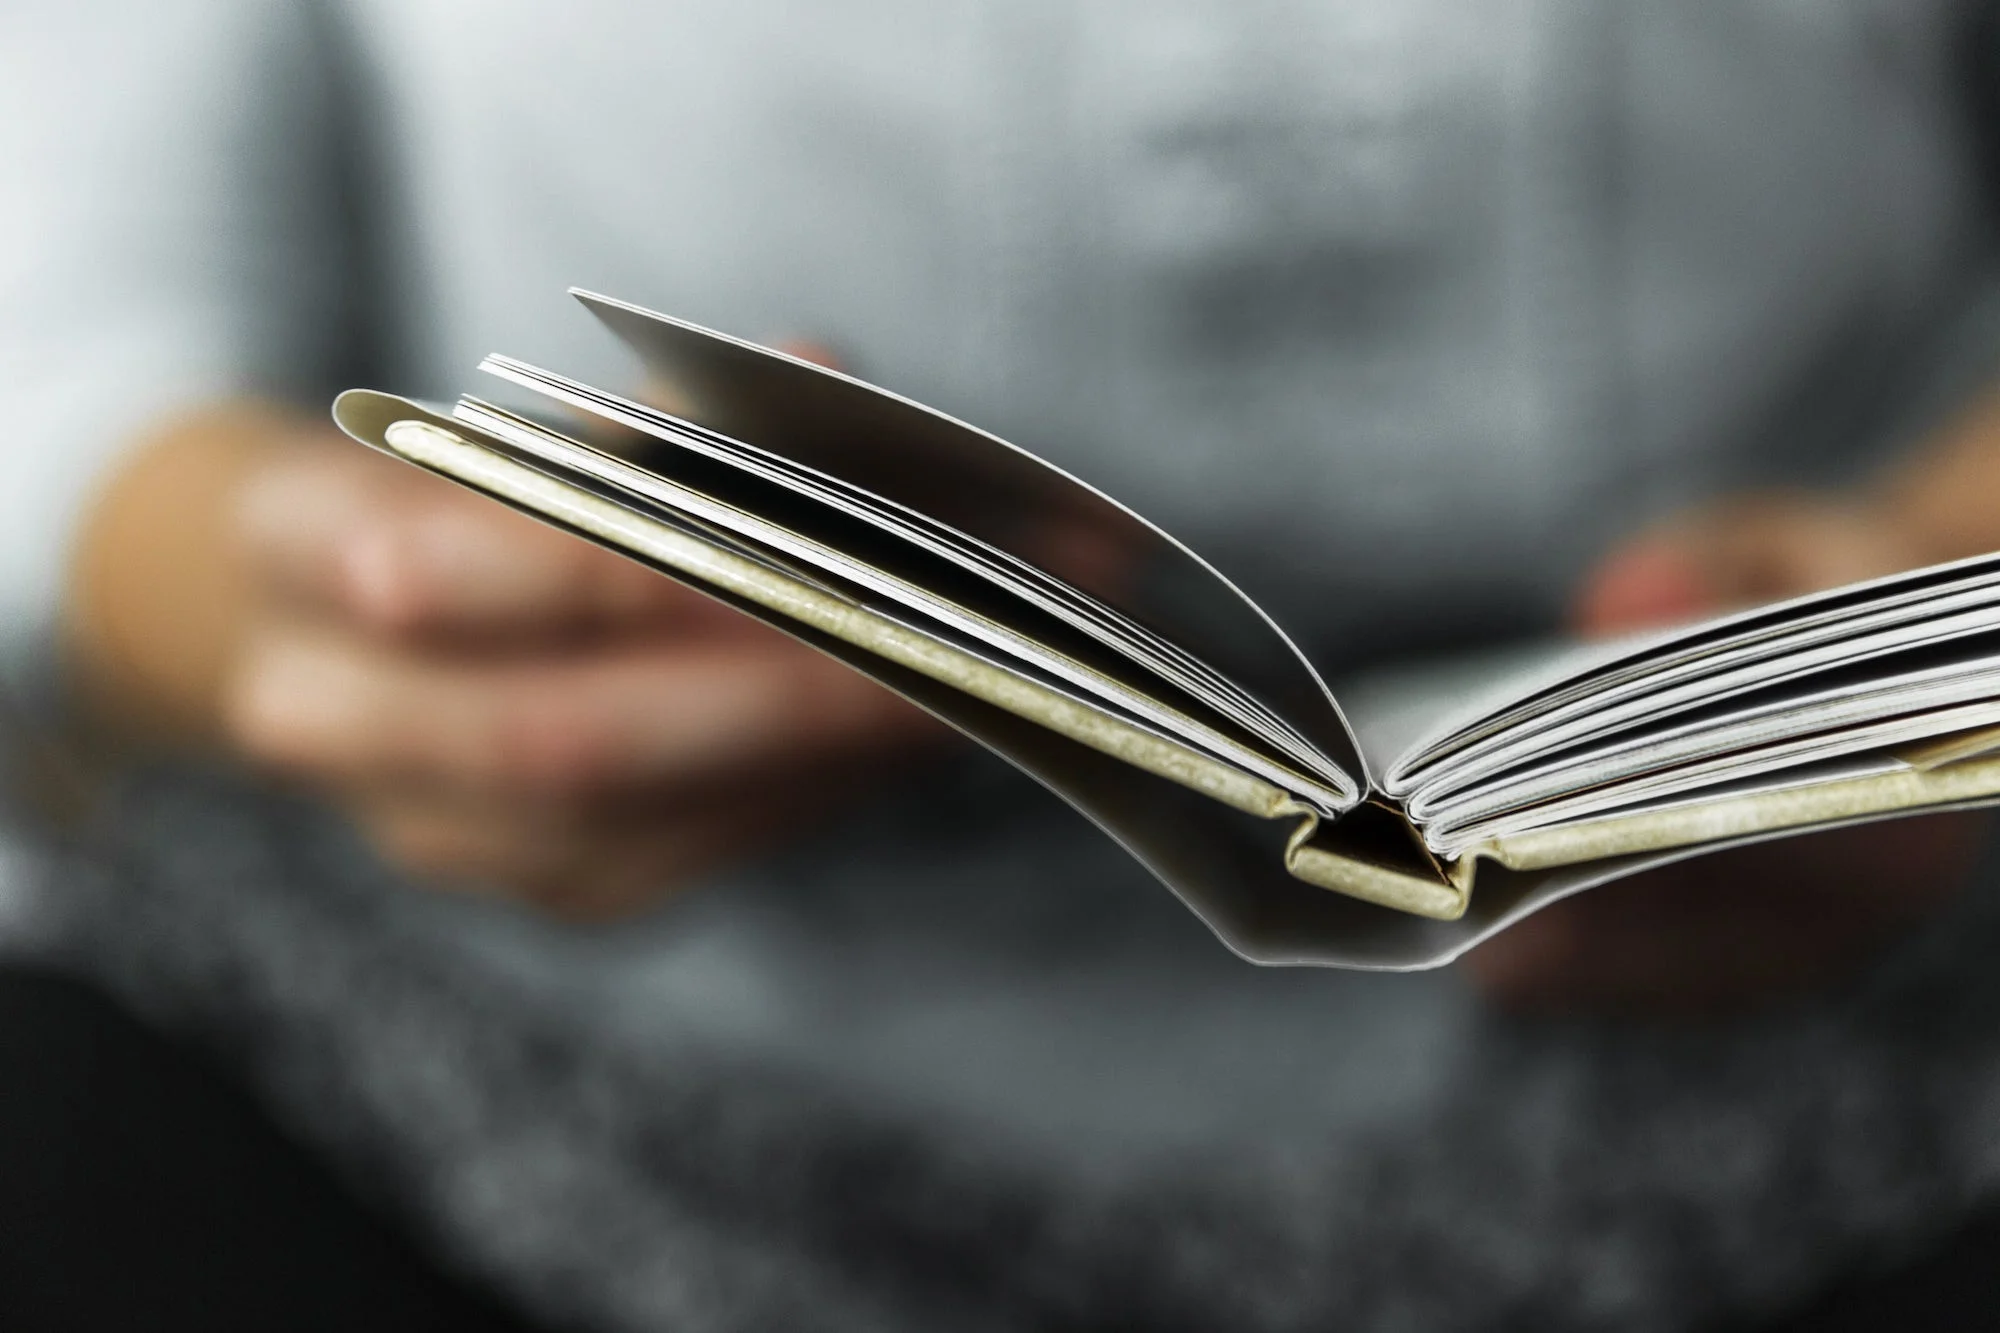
[(1647, 586)]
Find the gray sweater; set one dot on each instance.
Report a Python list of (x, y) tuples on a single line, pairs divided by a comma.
[(1397, 310)]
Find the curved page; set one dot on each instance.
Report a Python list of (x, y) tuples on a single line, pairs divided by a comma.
[(985, 487), (1215, 836)]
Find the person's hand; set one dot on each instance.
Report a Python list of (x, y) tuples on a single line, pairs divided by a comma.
[(1741, 552), (1724, 930), (495, 702)]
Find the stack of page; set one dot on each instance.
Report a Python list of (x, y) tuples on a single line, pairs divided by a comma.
[(1085, 645)]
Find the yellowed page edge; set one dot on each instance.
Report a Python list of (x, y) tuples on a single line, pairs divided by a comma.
[(1743, 816), (438, 449)]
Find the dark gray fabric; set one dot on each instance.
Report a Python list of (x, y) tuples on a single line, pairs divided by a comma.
[(141, 1188), (996, 1096)]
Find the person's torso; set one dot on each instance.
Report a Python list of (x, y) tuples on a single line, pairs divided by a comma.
[(1371, 301)]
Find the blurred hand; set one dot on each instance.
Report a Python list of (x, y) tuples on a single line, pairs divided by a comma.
[(495, 702), (1741, 552), (1725, 930)]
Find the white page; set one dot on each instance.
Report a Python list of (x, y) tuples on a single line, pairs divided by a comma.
[(1021, 580), (1646, 704), (985, 488), (571, 457), (1798, 762), (1644, 663), (1396, 708), (1770, 730)]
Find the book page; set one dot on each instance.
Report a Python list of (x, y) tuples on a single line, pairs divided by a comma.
[(912, 558), (985, 488), (727, 568), (1938, 690), (1649, 691), (1734, 653), (897, 578), (1397, 708)]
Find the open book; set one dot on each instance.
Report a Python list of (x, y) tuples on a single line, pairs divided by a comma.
[(1089, 648)]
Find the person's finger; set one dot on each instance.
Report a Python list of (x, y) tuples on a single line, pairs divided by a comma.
[(591, 868), (1740, 553), (1726, 931), (1661, 944), (348, 711), (1767, 548), (403, 553), (1655, 580)]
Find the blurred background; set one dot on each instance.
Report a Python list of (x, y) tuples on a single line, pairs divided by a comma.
[(414, 918)]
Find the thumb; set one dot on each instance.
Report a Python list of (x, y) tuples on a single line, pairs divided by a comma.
[(1757, 549), (1655, 580)]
